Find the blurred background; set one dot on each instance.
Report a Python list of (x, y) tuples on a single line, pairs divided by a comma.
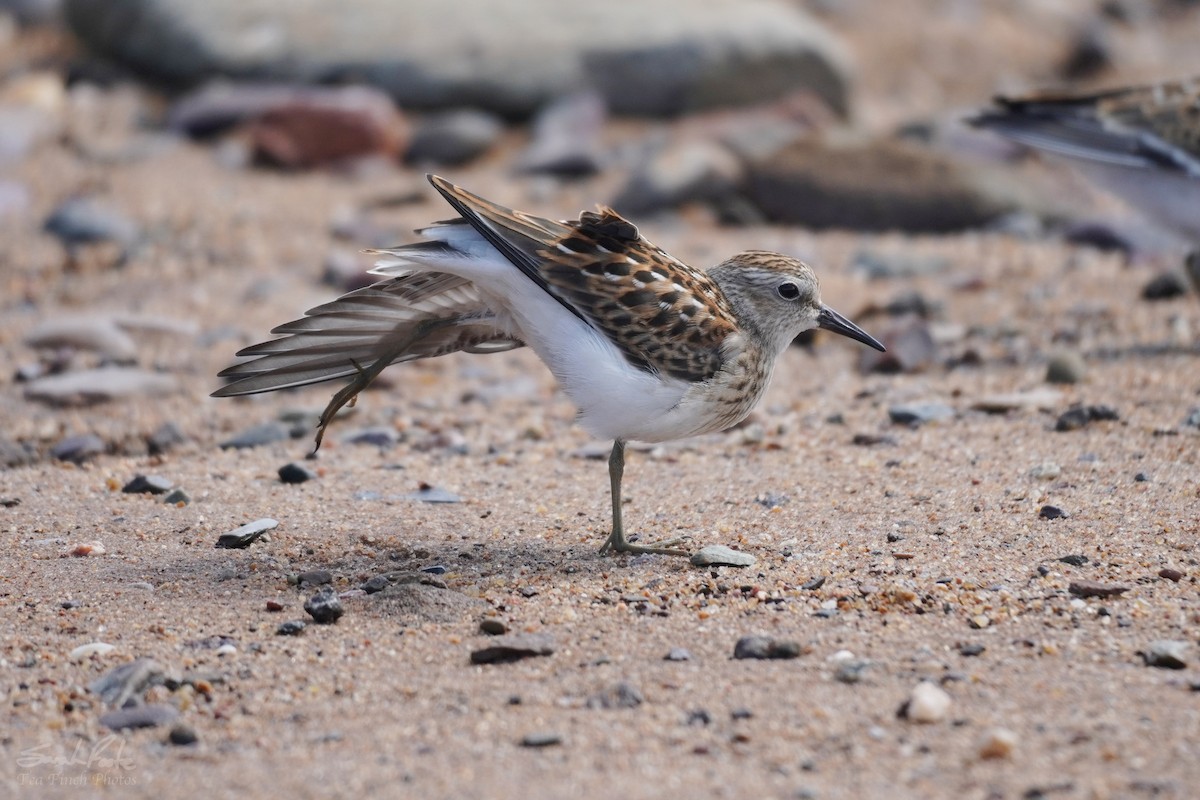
[(178, 177)]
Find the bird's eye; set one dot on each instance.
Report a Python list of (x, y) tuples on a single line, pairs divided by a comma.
[(788, 290)]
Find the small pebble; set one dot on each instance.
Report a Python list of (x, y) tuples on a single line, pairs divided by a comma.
[(1095, 589), (541, 739), (324, 607), (1052, 512), (1167, 654), (90, 649), (1046, 471), (971, 650), (84, 549), (78, 449), (243, 537), (293, 627), (177, 497), (274, 605), (765, 647), (380, 437), (851, 670), (182, 735), (1165, 286), (377, 583), (266, 433), (147, 716), (1075, 560), (492, 627), (980, 621), (296, 472), (1173, 575), (998, 743), (147, 484), (314, 577), (720, 556), (127, 682), (915, 414), (620, 695), (927, 703), (1065, 367), (678, 654), (513, 647)]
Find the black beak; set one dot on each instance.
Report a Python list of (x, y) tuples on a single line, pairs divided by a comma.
[(831, 320)]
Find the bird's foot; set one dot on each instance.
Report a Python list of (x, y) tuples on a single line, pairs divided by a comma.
[(617, 543)]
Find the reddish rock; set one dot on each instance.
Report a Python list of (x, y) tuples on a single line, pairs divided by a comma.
[(324, 128)]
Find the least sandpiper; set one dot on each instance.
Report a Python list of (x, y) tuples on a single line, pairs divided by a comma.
[(648, 348), (1141, 143)]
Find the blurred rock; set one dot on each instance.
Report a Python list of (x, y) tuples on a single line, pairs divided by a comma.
[(96, 334), (454, 137), (78, 448), (16, 454), (84, 220), (666, 57), (879, 186), (327, 126), (683, 172), (99, 385), (32, 108), (566, 137), (910, 348), (1165, 286), (1065, 366), (344, 271)]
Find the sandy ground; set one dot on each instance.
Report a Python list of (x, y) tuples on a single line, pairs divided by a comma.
[(935, 562)]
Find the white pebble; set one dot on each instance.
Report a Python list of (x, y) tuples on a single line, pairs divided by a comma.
[(998, 743), (226, 650), (91, 649), (928, 703)]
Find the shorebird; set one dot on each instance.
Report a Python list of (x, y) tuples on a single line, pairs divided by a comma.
[(648, 348), (1141, 143)]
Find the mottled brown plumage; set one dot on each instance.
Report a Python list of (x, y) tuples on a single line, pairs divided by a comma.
[(648, 347)]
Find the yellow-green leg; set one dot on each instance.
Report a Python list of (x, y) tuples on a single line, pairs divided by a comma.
[(616, 540)]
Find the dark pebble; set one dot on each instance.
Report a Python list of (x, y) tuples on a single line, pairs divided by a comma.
[(765, 647), (813, 584), (314, 577), (698, 716), (377, 583), (513, 647), (436, 569), (453, 137), (541, 739), (971, 650), (78, 449), (1052, 512), (621, 695), (1166, 286), (1141, 477), (182, 734), (1095, 589), (243, 537), (324, 607), (376, 437), (493, 627), (1192, 420), (1173, 575), (147, 484), (266, 433), (915, 414), (274, 605), (296, 473), (293, 627), (166, 437), (176, 497), (1074, 560), (148, 716), (1077, 417), (741, 713), (678, 654)]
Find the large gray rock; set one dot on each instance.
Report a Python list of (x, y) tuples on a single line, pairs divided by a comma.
[(651, 57)]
